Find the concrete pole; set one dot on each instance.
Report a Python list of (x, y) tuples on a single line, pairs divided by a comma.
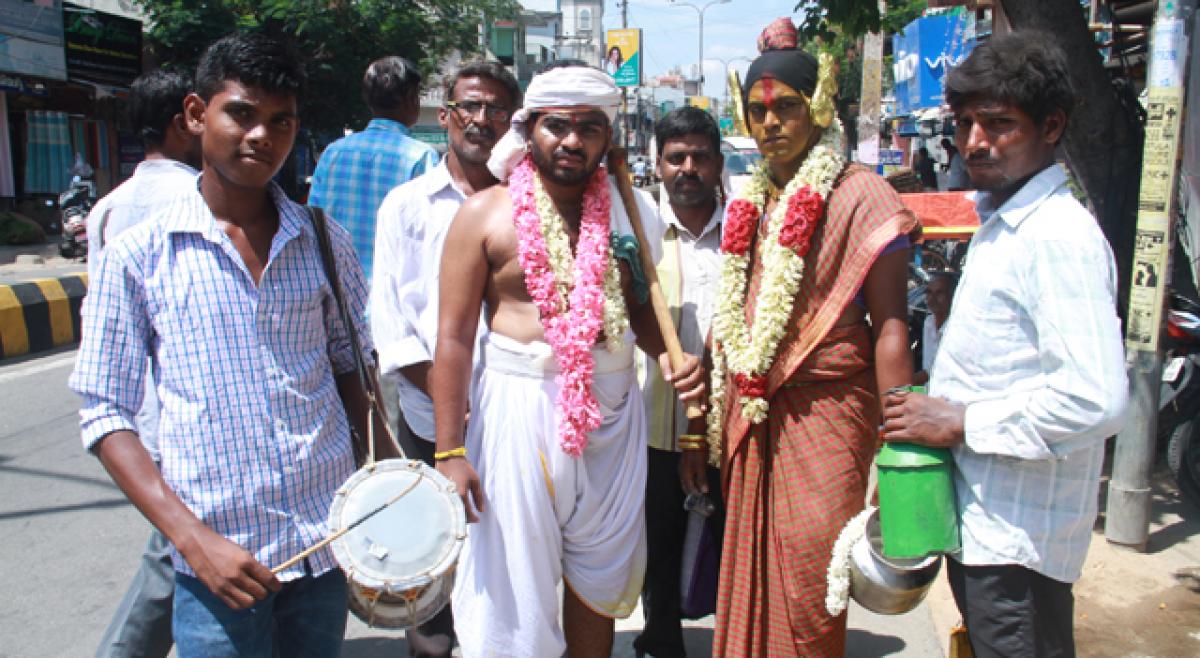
[(1127, 518)]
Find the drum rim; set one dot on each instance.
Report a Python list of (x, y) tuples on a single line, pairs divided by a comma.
[(340, 549)]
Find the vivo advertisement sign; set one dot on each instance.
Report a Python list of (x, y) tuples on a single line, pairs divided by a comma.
[(924, 52)]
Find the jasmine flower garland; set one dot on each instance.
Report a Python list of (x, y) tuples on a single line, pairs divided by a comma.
[(749, 352)]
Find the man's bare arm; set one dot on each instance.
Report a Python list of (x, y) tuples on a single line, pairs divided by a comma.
[(463, 280), (225, 568)]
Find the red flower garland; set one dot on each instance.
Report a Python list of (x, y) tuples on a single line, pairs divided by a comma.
[(805, 208), (740, 219), (751, 386)]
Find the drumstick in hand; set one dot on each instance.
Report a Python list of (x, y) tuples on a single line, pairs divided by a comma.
[(618, 166), (326, 541)]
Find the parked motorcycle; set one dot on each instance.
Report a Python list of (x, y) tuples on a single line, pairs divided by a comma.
[(1179, 397), (74, 204)]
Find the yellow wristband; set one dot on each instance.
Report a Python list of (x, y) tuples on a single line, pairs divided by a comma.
[(460, 451)]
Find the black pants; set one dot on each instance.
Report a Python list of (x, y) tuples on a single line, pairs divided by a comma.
[(1010, 610), (434, 638), (666, 526)]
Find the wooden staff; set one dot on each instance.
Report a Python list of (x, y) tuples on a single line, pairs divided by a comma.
[(617, 164), (326, 541)]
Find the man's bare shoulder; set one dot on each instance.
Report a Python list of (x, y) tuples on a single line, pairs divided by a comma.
[(487, 211)]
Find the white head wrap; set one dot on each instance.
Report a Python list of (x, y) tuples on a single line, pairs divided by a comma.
[(567, 86)]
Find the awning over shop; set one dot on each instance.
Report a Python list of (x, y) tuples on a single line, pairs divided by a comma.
[(944, 215)]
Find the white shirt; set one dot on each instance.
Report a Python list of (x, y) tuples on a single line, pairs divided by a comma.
[(1033, 349), (411, 229), (151, 188), (931, 337), (699, 260)]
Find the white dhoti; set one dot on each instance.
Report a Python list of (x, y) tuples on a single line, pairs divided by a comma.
[(549, 516)]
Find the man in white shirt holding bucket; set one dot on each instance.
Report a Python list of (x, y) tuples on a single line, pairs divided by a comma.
[(1029, 379)]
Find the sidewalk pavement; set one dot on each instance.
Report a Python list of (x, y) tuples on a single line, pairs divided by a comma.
[(1128, 604)]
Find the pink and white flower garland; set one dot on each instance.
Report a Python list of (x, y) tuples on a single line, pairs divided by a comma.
[(571, 291), (749, 351)]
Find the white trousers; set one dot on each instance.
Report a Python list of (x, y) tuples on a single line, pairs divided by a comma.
[(549, 516)]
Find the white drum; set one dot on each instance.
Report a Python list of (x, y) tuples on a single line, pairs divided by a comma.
[(400, 562)]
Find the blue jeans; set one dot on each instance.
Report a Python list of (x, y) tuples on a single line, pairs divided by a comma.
[(305, 619)]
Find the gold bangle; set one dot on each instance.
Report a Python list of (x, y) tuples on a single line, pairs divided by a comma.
[(692, 437), (693, 447), (460, 451)]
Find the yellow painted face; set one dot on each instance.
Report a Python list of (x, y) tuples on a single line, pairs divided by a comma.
[(779, 121)]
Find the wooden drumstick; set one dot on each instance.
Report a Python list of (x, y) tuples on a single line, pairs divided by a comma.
[(619, 167), (326, 541)]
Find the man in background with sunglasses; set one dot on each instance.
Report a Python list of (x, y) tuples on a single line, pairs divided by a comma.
[(413, 221), (358, 170)]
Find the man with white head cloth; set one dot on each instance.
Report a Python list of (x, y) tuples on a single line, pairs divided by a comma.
[(552, 465)]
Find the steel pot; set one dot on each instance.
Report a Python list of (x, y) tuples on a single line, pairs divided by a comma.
[(883, 585)]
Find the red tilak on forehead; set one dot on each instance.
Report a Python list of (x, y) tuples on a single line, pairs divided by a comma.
[(768, 90)]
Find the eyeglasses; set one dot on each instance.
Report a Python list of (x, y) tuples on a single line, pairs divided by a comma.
[(470, 110)]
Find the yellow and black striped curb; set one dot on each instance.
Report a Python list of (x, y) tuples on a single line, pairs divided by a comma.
[(40, 314)]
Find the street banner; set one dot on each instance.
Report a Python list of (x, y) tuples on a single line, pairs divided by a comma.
[(702, 102), (623, 56)]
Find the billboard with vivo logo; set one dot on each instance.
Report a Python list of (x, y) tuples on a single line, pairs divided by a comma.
[(922, 55)]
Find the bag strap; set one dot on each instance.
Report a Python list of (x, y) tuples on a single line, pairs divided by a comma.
[(367, 382)]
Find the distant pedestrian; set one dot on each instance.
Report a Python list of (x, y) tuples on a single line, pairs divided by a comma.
[(141, 625), (1029, 379), (223, 291), (938, 294), (956, 169), (357, 171), (923, 165)]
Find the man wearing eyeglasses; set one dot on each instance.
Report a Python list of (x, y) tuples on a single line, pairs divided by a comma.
[(412, 222), (358, 170)]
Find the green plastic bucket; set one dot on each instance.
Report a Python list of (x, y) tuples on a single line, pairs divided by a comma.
[(917, 512)]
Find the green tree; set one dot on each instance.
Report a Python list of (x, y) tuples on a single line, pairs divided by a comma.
[(337, 38), (827, 19), (1104, 138)]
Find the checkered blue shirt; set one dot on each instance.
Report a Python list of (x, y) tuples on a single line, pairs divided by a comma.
[(357, 171), (253, 434)]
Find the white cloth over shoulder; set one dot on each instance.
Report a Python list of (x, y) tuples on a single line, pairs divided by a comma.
[(567, 86), (549, 516)]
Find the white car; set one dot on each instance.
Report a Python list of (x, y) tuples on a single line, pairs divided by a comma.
[(741, 157)]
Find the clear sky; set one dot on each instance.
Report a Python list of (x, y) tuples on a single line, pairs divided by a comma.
[(670, 33)]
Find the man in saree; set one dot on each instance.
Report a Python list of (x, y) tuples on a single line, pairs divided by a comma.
[(812, 248)]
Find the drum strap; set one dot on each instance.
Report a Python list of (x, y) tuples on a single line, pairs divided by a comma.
[(364, 452)]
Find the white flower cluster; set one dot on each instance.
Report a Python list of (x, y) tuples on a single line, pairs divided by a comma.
[(838, 595), (562, 262)]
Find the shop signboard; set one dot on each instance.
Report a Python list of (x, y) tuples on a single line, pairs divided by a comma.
[(31, 38), (924, 52), (102, 47), (623, 56)]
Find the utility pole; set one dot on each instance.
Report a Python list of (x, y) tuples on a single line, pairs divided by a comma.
[(1127, 517)]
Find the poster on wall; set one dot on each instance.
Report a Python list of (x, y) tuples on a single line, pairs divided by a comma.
[(31, 38), (623, 57)]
